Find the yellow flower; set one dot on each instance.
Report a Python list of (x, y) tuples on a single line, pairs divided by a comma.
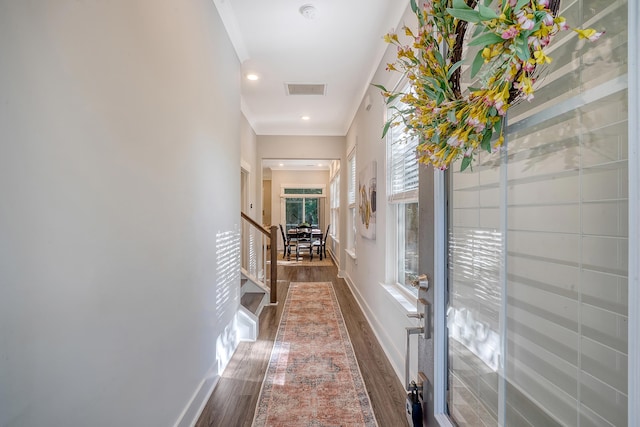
[(526, 85), (589, 34), (540, 57), (543, 32), (451, 156), (390, 38)]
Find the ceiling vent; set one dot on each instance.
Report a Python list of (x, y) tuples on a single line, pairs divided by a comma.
[(305, 89)]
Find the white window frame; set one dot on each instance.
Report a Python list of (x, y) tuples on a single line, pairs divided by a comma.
[(396, 199), (283, 197), (334, 204), (634, 213), (284, 187), (351, 204)]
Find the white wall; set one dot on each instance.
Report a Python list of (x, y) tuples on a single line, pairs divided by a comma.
[(298, 147), (288, 177), (366, 273), (119, 154), (249, 161)]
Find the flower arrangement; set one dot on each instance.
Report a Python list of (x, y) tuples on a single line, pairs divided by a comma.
[(511, 37)]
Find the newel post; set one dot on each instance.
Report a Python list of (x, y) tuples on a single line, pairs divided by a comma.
[(274, 264)]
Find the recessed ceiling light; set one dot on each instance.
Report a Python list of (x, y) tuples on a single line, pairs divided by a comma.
[(252, 77), (281, 164), (308, 11), (305, 118), (320, 165)]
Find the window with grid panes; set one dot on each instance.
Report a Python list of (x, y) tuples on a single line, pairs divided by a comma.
[(351, 201), (335, 205), (402, 193)]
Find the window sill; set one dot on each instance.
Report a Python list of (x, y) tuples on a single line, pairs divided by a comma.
[(405, 300), (351, 254)]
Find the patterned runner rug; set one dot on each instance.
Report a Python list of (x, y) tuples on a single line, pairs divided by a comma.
[(313, 378)]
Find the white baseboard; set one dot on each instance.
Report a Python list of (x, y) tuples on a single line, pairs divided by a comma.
[(194, 408), (378, 329)]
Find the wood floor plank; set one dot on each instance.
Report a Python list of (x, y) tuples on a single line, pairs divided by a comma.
[(234, 399)]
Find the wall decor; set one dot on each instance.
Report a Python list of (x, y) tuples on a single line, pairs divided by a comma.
[(453, 121), (367, 201)]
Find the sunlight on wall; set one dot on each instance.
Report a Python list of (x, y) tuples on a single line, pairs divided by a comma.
[(227, 289), (226, 344), (227, 272)]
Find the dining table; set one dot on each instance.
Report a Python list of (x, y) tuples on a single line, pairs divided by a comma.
[(316, 236)]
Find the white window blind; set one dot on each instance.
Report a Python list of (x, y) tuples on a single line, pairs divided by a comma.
[(352, 179), (402, 165)]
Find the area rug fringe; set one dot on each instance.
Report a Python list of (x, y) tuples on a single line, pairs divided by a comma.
[(313, 380)]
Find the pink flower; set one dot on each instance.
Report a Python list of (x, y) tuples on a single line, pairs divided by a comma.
[(524, 21), (544, 3), (509, 33), (454, 141), (477, 125), (562, 24), (548, 20), (533, 42)]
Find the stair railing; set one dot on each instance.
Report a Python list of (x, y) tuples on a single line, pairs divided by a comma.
[(255, 241)]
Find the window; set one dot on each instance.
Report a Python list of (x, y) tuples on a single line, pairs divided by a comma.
[(301, 209), (402, 191), (303, 191), (302, 205), (335, 204), (544, 323), (351, 201)]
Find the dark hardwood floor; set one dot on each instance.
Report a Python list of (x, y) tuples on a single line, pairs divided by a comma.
[(234, 399)]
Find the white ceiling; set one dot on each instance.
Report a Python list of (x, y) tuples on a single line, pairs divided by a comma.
[(340, 48)]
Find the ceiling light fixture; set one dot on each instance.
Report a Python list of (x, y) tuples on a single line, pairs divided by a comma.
[(305, 118), (252, 77), (308, 11)]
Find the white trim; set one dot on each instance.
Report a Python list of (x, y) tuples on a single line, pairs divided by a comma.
[(405, 300), (407, 197), (504, 347), (322, 187), (245, 166), (443, 420), (230, 23), (439, 298), (634, 214), (351, 254), (376, 326), (192, 411)]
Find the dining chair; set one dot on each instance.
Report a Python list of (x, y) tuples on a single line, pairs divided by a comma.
[(285, 241), (322, 245), (288, 243), (304, 242)]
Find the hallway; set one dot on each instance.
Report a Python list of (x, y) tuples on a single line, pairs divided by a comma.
[(233, 401)]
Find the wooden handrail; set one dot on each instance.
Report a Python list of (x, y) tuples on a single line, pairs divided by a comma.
[(272, 234), (255, 224)]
